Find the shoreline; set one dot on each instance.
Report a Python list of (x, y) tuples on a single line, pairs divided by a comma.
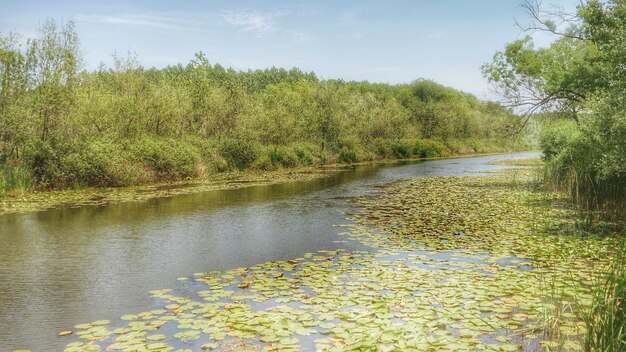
[(36, 201)]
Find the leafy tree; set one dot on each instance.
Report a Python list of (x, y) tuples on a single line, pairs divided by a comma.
[(14, 99), (580, 75), (53, 62), (124, 124)]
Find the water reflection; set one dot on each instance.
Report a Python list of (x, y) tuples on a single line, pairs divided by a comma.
[(71, 265)]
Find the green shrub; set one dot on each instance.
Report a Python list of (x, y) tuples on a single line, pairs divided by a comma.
[(576, 169), (401, 149), (484, 146), (112, 164), (282, 156), (304, 154), (264, 162), (104, 162), (459, 146), (210, 160), (240, 153), (218, 163), (169, 159), (381, 148), (366, 155), (46, 160), (276, 157), (555, 135), (348, 155), (427, 148)]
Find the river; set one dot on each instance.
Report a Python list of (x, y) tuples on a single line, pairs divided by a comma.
[(72, 265)]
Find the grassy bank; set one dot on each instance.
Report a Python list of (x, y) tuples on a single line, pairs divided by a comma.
[(109, 163), (454, 263), (123, 163), (23, 194)]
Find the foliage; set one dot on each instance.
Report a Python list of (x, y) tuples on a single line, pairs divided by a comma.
[(124, 124), (555, 135), (581, 75), (15, 179), (240, 153)]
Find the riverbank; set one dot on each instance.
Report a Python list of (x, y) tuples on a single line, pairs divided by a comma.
[(42, 200), (455, 263)]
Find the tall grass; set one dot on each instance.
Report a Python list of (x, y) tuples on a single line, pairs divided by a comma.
[(596, 195), (15, 180), (606, 318), (575, 165)]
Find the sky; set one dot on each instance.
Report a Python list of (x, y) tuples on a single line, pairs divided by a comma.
[(393, 41)]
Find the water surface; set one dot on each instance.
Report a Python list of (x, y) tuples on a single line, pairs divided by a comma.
[(66, 266)]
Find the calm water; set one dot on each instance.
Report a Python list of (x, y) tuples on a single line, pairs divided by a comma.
[(67, 266)]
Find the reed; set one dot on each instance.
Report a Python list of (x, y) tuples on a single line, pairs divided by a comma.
[(605, 320), (15, 180)]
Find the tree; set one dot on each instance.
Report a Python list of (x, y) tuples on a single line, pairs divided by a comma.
[(558, 78), (53, 62), (582, 74), (13, 97)]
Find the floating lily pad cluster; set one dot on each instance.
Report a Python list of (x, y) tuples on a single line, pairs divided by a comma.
[(456, 263)]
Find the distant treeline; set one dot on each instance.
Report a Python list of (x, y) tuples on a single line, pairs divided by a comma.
[(125, 125)]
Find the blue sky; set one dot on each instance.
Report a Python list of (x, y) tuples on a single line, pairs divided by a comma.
[(380, 41)]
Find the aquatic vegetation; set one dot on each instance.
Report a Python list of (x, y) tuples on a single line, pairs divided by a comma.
[(15, 180), (529, 162), (606, 318), (38, 201), (455, 263)]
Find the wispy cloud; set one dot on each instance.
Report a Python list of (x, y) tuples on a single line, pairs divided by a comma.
[(386, 69), (257, 23), (260, 24), (142, 20)]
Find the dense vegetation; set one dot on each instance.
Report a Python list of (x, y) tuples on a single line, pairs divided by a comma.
[(579, 84), (125, 125), (580, 81)]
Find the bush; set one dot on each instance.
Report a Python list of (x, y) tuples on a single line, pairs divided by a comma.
[(382, 148), (168, 158), (46, 160), (103, 162), (458, 146), (304, 154), (401, 149), (240, 153), (264, 162), (347, 155), (555, 135), (427, 148), (283, 156), (576, 169)]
